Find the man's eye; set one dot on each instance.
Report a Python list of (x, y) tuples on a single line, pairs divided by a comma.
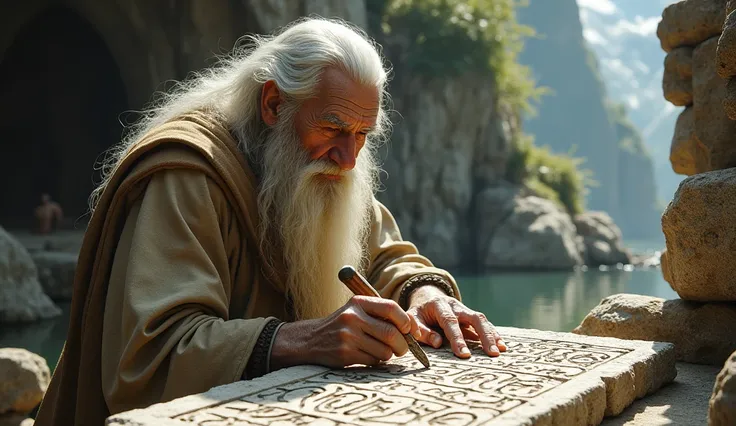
[(332, 130)]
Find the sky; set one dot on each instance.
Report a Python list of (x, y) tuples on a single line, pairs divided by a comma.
[(608, 7), (623, 34)]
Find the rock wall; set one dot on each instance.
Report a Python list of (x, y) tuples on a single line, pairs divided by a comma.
[(690, 32), (698, 38), (445, 163), (575, 117), (450, 142)]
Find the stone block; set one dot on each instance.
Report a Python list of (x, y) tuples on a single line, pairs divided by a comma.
[(545, 378), (701, 332), (722, 405), (690, 22), (677, 80), (713, 127), (688, 155), (700, 237)]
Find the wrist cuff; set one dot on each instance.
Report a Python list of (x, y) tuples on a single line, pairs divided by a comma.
[(417, 281), (259, 362)]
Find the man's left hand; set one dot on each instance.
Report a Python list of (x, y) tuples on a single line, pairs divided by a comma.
[(430, 306)]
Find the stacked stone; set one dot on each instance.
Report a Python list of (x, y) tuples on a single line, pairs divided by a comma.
[(699, 37), (689, 33)]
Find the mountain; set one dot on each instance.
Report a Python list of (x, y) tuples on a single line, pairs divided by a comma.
[(578, 116), (622, 34)]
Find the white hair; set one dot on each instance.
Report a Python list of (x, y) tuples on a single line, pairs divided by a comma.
[(294, 58), (310, 226)]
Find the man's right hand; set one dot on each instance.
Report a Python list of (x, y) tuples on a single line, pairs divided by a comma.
[(366, 330)]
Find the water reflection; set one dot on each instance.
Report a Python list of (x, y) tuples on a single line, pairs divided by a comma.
[(45, 338), (555, 301)]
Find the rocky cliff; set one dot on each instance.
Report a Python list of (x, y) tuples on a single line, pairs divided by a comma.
[(575, 117), (455, 127)]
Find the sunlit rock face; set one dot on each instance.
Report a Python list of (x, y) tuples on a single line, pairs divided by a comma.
[(701, 238), (701, 332), (722, 405), (699, 41)]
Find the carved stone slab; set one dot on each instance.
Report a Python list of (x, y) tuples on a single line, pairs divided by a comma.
[(545, 378)]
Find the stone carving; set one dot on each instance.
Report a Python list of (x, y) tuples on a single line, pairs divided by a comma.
[(563, 375)]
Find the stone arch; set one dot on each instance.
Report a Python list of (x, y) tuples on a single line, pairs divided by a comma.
[(117, 27), (61, 93)]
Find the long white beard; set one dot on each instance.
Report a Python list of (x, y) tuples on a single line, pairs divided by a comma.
[(320, 225)]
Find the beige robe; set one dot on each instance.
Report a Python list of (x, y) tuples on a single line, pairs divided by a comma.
[(170, 293)]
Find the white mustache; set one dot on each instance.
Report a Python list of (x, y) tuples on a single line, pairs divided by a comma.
[(324, 167)]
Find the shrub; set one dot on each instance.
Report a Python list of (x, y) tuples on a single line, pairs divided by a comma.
[(452, 37), (553, 176)]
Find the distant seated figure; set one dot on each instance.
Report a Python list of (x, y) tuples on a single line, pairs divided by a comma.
[(48, 215)]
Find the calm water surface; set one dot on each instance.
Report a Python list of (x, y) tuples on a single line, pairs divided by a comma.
[(555, 301)]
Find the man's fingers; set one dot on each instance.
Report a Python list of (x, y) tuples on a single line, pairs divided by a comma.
[(426, 335), (385, 309), (485, 330), (386, 333), (375, 348), (362, 357), (450, 324)]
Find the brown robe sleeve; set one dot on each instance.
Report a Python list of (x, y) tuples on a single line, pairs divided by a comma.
[(167, 331), (395, 263)]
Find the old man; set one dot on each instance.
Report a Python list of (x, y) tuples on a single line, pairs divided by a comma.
[(220, 226)]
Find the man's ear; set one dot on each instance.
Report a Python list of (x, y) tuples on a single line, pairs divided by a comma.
[(270, 100)]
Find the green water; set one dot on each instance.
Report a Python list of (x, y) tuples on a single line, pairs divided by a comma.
[(555, 301)]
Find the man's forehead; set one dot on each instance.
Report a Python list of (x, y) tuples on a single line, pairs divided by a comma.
[(349, 120)]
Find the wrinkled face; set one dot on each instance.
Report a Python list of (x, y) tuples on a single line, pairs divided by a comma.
[(333, 125), (313, 197)]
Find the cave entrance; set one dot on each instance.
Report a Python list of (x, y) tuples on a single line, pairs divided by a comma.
[(60, 97)]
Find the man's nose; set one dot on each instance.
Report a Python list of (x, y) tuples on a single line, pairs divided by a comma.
[(343, 153)]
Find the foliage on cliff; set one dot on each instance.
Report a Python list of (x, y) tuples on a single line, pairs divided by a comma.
[(629, 137), (553, 176), (446, 38), (449, 38)]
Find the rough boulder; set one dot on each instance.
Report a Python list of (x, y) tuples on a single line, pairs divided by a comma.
[(701, 332), (21, 296), (701, 238)]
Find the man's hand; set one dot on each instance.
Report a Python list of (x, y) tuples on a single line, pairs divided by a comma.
[(366, 330), (431, 306)]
